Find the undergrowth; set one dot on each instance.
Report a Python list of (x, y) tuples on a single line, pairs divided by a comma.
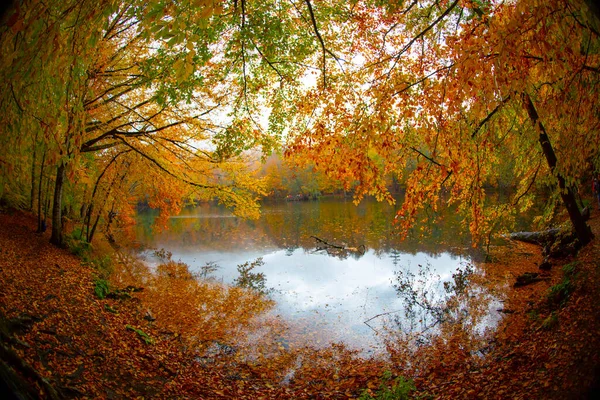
[(559, 294), (390, 389), (101, 288)]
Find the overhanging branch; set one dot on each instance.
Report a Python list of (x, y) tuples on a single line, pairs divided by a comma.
[(489, 116), (422, 33), (324, 49)]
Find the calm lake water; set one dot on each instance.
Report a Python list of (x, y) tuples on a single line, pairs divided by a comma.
[(331, 293)]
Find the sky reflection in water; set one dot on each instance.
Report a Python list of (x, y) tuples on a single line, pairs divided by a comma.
[(332, 296)]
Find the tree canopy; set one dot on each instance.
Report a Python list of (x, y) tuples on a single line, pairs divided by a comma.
[(449, 93), (109, 103)]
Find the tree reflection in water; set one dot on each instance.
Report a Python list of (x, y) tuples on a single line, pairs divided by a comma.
[(332, 289)]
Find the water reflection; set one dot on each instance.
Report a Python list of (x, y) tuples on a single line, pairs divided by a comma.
[(292, 225), (328, 293)]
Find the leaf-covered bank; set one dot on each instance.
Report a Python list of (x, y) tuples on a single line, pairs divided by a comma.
[(69, 335)]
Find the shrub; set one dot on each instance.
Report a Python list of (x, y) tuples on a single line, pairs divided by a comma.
[(570, 269), (399, 390), (174, 270), (101, 288), (550, 322), (560, 293), (252, 280), (103, 265), (80, 248)]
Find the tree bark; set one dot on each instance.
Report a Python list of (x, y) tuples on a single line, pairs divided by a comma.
[(41, 220), (594, 9), (57, 237), (583, 232), (32, 195)]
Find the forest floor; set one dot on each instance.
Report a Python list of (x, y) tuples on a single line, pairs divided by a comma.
[(61, 340)]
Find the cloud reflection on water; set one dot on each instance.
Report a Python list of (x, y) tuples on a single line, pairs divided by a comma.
[(328, 293), (333, 295)]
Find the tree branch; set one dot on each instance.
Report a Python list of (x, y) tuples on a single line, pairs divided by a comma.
[(428, 158), (489, 116), (12, 90), (423, 79), (165, 170), (422, 33), (321, 41)]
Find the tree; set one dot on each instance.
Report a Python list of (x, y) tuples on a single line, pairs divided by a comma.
[(295, 177), (180, 86), (448, 87)]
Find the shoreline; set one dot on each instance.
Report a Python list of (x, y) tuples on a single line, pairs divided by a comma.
[(73, 342)]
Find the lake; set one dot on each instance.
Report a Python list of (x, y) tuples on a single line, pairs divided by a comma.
[(325, 290)]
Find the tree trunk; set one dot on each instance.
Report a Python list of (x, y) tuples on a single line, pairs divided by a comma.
[(32, 195), (57, 237), (594, 9), (41, 220), (48, 197), (540, 238), (583, 232)]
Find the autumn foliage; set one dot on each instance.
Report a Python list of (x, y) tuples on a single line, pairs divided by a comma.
[(165, 334), (172, 104), (108, 106)]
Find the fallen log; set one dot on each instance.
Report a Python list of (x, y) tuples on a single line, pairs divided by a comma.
[(556, 243), (528, 278), (541, 238), (338, 250)]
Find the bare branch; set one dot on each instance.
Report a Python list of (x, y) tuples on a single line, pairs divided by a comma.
[(516, 201), (423, 79), (431, 160), (165, 170), (14, 96), (89, 149)]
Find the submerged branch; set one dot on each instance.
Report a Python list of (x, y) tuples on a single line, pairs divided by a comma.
[(335, 246), (379, 315), (339, 250)]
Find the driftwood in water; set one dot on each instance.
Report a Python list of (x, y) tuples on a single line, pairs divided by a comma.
[(335, 246), (338, 250)]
